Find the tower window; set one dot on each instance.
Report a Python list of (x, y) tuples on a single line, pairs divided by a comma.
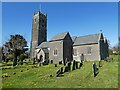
[(42, 25), (43, 21), (35, 20)]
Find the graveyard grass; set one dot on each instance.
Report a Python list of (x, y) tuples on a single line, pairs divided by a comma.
[(79, 78)]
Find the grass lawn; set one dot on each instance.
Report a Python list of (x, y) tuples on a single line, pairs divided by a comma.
[(79, 78)]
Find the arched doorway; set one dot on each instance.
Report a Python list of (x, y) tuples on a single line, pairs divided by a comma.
[(41, 58)]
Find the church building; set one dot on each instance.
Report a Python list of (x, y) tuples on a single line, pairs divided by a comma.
[(64, 47)]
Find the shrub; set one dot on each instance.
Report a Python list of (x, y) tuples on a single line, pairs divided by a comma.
[(22, 57)]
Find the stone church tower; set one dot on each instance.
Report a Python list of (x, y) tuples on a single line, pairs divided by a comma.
[(39, 31)]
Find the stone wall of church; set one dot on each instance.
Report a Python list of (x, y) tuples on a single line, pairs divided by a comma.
[(90, 52), (56, 46)]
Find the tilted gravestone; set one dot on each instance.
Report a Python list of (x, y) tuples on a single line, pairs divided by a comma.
[(66, 69), (73, 67), (59, 71)]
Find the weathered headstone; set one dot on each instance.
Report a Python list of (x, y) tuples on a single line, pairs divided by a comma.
[(95, 69), (58, 73), (73, 67), (50, 75), (66, 69), (60, 62), (76, 65), (33, 60), (69, 65), (81, 63), (65, 61), (51, 61), (100, 63), (61, 70), (21, 70), (14, 73), (55, 65)]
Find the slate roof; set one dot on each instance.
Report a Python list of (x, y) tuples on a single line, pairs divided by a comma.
[(73, 38), (88, 39), (44, 45), (59, 36), (45, 50)]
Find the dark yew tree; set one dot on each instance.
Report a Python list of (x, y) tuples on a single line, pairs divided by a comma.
[(16, 46)]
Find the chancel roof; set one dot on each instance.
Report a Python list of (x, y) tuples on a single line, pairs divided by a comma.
[(88, 39)]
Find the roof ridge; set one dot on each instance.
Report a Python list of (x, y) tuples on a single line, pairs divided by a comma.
[(88, 35), (59, 36)]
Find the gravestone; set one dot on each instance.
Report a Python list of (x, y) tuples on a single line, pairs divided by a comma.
[(69, 65), (73, 67), (64, 61), (45, 63), (100, 63), (66, 69), (14, 73), (33, 60), (55, 65), (81, 63), (59, 71), (21, 70), (50, 75), (51, 61), (95, 69), (60, 62), (76, 65)]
